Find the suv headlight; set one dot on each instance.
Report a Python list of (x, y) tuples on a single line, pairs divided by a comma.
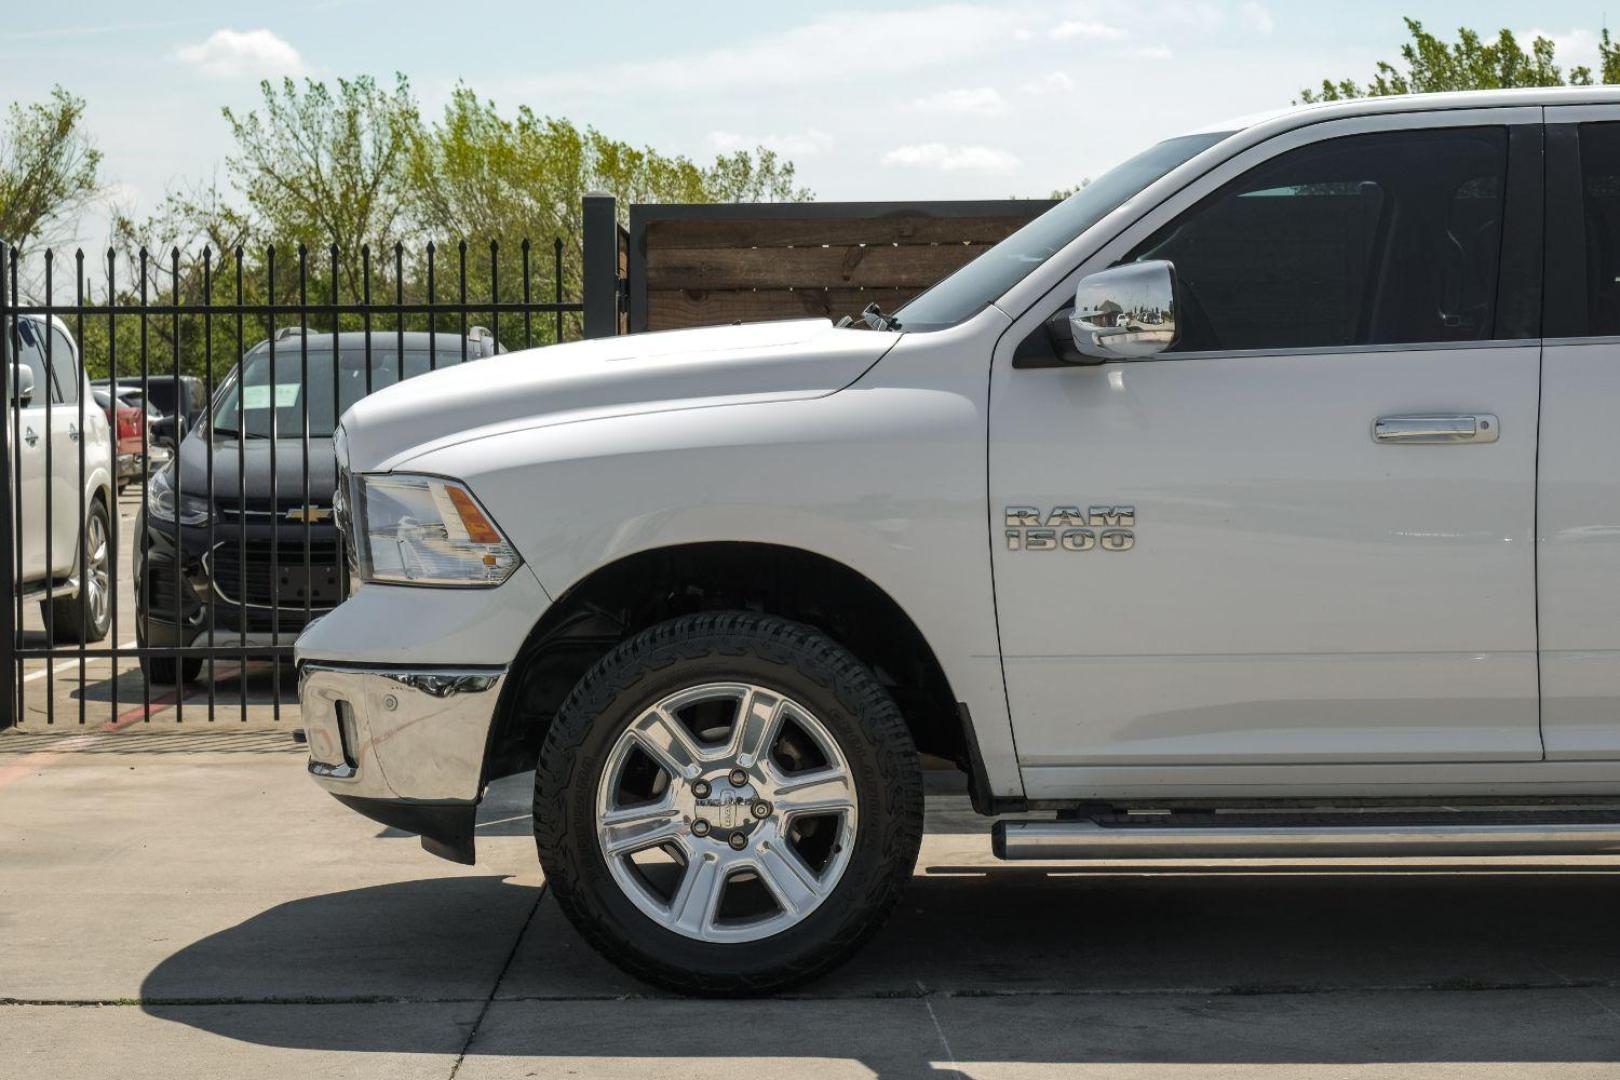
[(426, 530), (163, 504)]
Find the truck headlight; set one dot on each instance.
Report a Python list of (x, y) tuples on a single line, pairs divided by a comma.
[(163, 503), (426, 530)]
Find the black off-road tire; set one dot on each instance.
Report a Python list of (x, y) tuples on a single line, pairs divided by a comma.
[(792, 659)]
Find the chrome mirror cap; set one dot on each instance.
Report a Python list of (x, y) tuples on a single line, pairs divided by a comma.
[(1125, 312)]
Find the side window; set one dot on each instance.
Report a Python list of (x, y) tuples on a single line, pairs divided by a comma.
[(64, 369), (30, 351), (1388, 238), (1600, 202)]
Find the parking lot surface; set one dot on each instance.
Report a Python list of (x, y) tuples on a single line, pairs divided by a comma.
[(185, 903)]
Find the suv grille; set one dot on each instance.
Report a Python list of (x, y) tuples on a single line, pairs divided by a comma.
[(289, 585)]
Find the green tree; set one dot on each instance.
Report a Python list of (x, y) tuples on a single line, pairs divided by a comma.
[(480, 175), (1430, 65), (321, 167), (48, 167), (188, 251), (352, 172)]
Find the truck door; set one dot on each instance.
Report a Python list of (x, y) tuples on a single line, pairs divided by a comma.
[(66, 383), (1262, 547), (29, 446), (1579, 519)]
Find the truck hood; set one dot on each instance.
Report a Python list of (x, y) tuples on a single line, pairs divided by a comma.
[(677, 369)]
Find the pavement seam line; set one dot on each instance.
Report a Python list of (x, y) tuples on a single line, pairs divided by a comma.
[(950, 1055), (495, 988), (878, 995)]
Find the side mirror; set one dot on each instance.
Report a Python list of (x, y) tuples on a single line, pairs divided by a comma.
[(20, 383), (1125, 312)]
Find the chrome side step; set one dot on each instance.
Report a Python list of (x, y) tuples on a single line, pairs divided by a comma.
[(59, 589), (1083, 840)]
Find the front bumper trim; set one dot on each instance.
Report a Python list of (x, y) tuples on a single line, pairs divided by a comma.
[(414, 737)]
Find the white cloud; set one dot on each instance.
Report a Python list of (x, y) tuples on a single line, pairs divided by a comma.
[(242, 54), (1256, 17), (1573, 48), (1053, 82), (1082, 28), (1151, 52), (805, 143), (978, 101), (952, 158)]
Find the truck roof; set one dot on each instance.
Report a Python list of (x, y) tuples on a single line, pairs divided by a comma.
[(1397, 103)]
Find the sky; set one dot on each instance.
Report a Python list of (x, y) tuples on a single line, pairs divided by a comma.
[(881, 100)]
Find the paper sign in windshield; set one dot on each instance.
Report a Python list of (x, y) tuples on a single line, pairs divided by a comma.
[(258, 395)]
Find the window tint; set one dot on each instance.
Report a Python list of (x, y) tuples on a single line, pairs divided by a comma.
[(1368, 239), (28, 350), (64, 370), (1600, 201)]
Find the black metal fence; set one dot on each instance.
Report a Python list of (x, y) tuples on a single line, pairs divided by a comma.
[(168, 469)]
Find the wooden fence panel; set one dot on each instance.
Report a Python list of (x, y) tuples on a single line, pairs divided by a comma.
[(708, 265)]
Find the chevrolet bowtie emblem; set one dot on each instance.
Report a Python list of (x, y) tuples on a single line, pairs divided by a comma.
[(308, 513)]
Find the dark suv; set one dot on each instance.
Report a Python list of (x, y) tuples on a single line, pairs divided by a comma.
[(237, 543)]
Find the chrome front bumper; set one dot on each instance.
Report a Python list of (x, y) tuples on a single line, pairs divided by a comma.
[(403, 746)]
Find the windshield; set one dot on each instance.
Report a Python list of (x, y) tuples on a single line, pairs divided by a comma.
[(282, 410), (986, 278)]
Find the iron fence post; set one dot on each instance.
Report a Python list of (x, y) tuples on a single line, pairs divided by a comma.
[(599, 266), (8, 578)]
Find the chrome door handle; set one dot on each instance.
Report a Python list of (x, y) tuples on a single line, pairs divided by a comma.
[(73, 432), (1472, 428), (30, 436)]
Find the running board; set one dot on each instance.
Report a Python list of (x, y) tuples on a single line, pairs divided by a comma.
[(65, 587), (1084, 840)]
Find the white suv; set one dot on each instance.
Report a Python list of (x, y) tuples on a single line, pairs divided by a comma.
[(65, 511), (1259, 499)]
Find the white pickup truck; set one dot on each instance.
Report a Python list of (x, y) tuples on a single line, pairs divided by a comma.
[(1258, 500), (64, 468)]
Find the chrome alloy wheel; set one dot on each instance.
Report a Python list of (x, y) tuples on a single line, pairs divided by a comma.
[(97, 593), (726, 812)]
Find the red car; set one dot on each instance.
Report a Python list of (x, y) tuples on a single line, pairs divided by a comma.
[(129, 422)]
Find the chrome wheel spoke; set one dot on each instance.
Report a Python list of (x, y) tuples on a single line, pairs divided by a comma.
[(759, 718), (625, 832), (794, 884), (824, 791), (669, 743), (693, 908)]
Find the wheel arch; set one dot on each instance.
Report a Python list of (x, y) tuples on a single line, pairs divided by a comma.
[(626, 596)]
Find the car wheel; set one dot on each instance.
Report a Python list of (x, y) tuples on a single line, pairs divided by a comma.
[(728, 803), (69, 619)]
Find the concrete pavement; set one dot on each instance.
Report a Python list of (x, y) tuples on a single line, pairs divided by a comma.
[(172, 908)]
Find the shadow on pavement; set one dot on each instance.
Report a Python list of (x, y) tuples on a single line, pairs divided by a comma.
[(1334, 965)]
